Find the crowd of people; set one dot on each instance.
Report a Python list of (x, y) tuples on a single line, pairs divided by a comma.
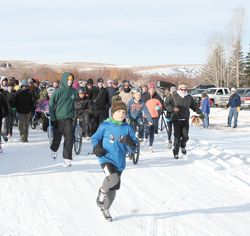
[(114, 115)]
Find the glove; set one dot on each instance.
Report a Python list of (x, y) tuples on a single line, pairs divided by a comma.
[(238, 109), (202, 116), (157, 108), (127, 140), (55, 124), (98, 150)]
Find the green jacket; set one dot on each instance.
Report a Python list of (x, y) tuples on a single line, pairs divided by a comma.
[(61, 104)]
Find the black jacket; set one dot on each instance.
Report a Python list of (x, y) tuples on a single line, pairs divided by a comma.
[(184, 104), (81, 106), (100, 98), (23, 101), (4, 111)]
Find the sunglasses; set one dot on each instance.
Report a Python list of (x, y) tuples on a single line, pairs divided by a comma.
[(183, 89)]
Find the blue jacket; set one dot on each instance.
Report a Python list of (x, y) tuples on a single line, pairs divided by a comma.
[(136, 111), (108, 134), (234, 101), (205, 106)]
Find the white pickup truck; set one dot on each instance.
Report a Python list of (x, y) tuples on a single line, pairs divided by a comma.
[(218, 96)]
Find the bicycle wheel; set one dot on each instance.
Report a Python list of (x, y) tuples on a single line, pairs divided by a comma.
[(33, 122), (135, 156), (78, 140)]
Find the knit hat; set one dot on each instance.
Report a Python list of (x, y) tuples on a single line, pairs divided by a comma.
[(117, 104), (90, 81), (24, 83)]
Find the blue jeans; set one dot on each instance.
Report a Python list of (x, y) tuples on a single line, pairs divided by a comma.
[(205, 122), (232, 113)]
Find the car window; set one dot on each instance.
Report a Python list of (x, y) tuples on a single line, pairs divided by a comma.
[(246, 92), (240, 91), (219, 92), (226, 91), (210, 91)]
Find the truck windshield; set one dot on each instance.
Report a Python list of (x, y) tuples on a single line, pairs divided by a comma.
[(210, 91)]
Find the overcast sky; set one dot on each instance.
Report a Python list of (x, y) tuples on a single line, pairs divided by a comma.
[(131, 32)]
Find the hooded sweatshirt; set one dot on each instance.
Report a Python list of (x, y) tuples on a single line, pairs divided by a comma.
[(61, 104)]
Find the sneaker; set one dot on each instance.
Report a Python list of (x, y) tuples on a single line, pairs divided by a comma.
[(151, 149), (54, 155), (169, 145), (67, 163), (106, 215), (100, 198), (235, 126), (176, 156), (184, 151)]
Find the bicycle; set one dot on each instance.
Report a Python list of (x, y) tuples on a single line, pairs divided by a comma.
[(134, 153), (78, 137)]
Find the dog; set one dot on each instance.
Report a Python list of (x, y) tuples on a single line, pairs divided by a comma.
[(195, 120)]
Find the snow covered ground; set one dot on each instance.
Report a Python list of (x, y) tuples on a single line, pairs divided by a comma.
[(205, 193)]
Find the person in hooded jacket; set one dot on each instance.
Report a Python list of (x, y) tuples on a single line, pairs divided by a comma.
[(110, 145), (181, 102), (61, 109)]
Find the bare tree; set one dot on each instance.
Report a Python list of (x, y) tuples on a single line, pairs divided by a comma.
[(235, 40)]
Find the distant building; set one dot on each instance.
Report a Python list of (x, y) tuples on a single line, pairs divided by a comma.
[(6, 65)]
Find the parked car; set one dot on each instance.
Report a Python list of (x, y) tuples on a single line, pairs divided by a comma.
[(244, 96), (217, 96)]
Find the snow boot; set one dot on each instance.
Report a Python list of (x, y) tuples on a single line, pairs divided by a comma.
[(184, 151)]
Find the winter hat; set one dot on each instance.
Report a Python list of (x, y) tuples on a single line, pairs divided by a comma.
[(151, 85), (75, 84), (117, 104), (24, 83), (90, 81), (99, 80), (233, 90)]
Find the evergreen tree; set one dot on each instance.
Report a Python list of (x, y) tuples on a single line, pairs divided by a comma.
[(247, 69)]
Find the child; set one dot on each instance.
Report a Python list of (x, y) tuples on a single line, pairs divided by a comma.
[(81, 106), (110, 146), (205, 108), (137, 111), (154, 106)]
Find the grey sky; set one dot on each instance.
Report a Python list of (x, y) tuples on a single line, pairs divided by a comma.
[(119, 32)]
